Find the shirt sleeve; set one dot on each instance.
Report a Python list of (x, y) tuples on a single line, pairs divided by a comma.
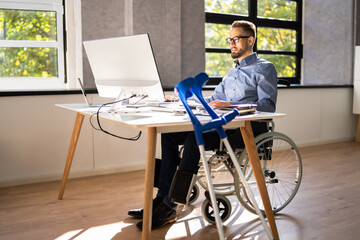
[(267, 89)]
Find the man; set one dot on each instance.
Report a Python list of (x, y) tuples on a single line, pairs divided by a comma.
[(251, 80)]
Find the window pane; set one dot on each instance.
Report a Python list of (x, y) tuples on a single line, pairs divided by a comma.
[(28, 62), (218, 64), (278, 9), (216, 34), (285, 65), (276, 39), (239, 7), (27, 25)]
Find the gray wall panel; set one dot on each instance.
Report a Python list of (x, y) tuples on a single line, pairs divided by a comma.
[(176, 30), (328, 42), (192, 38), (100, 19)]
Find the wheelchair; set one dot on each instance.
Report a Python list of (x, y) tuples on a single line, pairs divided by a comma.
[(282, 168), (229, 171)]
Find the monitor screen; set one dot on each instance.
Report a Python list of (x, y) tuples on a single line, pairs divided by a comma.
[(124, 65)]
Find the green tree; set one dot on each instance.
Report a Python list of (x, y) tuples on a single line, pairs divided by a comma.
[(27, 25), (239, 7), (274, 39), (278, 9)]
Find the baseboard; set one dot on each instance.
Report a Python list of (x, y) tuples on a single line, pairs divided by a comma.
[(73, 174), (315, 143)]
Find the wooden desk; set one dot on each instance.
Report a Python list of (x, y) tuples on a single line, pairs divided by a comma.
[(156, 122)]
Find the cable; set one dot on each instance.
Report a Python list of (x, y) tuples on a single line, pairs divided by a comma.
[(90, 119), (135, 138), (92, 125), (143, 97)]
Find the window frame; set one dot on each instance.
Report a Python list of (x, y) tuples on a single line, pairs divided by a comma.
[(38, 83), (224, 18)]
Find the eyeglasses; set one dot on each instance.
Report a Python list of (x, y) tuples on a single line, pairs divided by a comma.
[(235, 39)]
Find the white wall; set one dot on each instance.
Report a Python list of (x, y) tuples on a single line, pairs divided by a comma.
[(35, 134), (317, 115)]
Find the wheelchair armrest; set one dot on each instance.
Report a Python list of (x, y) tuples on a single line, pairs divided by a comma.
[(270, 124)]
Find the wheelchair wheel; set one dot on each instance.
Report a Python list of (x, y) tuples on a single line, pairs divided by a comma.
[(195, 193), (222, 174), (282, 167), (224, 206)]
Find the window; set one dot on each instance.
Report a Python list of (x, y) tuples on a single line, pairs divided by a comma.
[(279, 34), (31, 45)]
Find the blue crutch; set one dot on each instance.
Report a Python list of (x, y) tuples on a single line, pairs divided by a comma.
[(193, 86)]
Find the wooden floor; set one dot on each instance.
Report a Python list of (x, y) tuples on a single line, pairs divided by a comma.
[(327, 206)]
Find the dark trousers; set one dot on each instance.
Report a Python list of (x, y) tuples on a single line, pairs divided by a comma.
[(170, 143)]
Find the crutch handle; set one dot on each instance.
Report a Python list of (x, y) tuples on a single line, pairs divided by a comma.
[(219, 122), (230, 115)]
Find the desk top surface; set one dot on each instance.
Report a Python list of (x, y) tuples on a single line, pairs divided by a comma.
[(162, 121)]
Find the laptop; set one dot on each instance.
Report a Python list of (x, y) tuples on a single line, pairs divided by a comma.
[(85, 97)]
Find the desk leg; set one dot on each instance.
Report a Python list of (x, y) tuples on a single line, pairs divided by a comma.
[(74, 139), (149, 182), (250, 145)]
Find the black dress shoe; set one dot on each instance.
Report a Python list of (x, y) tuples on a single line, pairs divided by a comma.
[(138, 213), (161, 216)]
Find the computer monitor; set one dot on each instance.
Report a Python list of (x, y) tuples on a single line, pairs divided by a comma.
[(124, 66)]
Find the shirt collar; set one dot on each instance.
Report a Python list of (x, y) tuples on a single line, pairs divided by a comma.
[(246, 61)]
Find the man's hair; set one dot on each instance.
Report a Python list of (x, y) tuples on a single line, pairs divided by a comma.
[(248, 27)]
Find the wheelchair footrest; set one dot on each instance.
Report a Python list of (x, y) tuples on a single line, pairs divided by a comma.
[(181, 186)]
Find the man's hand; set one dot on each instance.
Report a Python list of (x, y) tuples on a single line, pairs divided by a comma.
[(218, 103), (171, 99)]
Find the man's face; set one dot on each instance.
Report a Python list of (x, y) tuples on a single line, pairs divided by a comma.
[(242, 47)]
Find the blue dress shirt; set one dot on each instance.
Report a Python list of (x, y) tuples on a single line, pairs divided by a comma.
[(254, 80)]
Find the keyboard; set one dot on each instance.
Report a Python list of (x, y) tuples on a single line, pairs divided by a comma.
[(95, 104)]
